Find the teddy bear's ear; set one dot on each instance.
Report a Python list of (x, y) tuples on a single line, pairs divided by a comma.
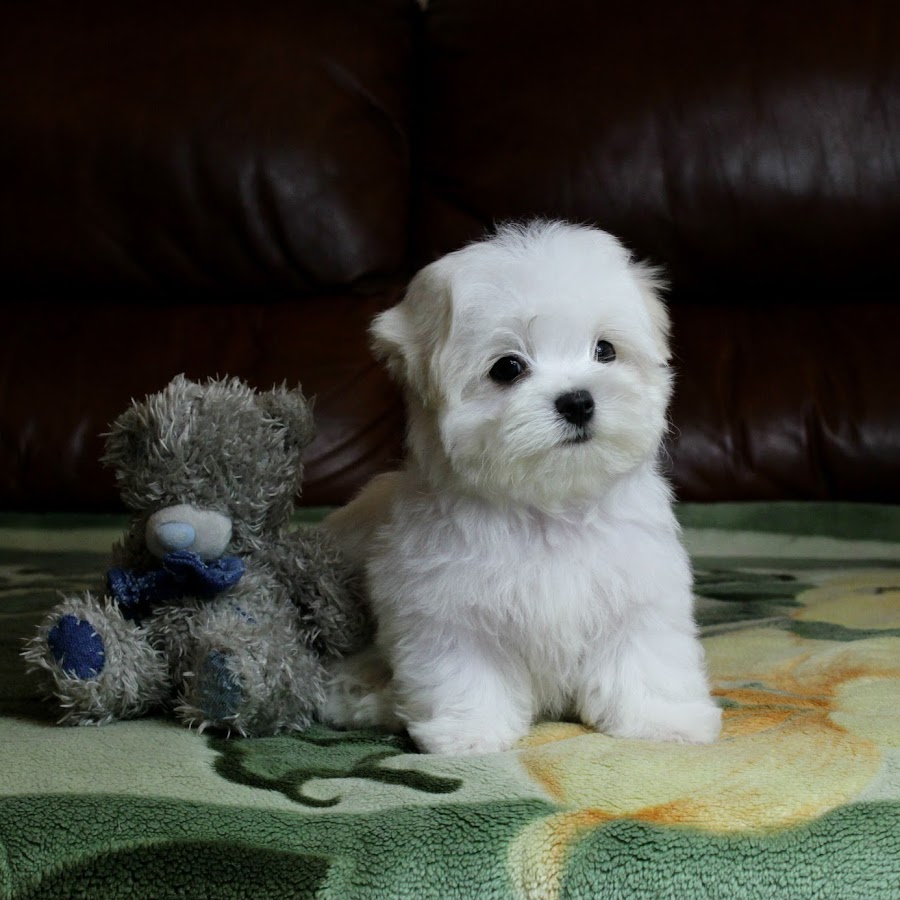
[(125, 439), (130, 435), (293, 411)]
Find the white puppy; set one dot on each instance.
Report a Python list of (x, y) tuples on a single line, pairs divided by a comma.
[(526, 561)]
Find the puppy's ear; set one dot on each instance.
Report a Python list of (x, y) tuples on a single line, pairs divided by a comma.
[(652, 284), (390, 333), (408, 337)]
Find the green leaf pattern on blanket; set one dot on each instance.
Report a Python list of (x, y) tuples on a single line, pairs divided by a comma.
[(734, 596), (286, 763)]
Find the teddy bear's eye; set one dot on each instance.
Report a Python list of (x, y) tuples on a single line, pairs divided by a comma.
[(604, 352), (507, 369)]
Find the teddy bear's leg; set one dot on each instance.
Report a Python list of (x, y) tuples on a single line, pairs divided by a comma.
[(252, 673), (97, 665)]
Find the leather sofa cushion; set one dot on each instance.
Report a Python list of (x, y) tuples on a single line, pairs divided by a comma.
[(66, 375), (776, 402)]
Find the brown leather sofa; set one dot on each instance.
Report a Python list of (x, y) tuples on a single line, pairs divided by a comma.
[(233, 188)]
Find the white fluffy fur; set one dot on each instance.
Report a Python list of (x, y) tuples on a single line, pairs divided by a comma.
[(516, 572)]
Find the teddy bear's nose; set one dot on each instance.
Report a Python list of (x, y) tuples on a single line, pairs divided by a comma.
[(186, 527), (175, 535)]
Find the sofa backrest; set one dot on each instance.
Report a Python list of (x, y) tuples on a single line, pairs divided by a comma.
[(209, 188), (225, 150), (237, 189), (752, 149)]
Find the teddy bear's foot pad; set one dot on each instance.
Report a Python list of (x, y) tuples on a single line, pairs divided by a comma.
[(77, 647), (219, 689)]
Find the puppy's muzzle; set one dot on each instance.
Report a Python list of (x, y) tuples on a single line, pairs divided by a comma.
[(576, 407)]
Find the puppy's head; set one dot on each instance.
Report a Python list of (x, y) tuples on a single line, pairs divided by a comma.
[(534, 364)]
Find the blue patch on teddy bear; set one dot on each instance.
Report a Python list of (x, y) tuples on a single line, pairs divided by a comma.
[(77, 647), (220, 688)]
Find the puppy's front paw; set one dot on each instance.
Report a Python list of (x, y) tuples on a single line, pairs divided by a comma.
[(682, 723), (447, 737)]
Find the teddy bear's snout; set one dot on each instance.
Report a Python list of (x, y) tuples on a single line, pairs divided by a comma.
[(185, 527)]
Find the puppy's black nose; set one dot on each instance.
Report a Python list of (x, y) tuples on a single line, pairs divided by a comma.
[(576, 407)]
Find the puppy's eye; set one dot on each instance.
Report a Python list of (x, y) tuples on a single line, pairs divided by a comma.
[(507, 368), (604, 352)]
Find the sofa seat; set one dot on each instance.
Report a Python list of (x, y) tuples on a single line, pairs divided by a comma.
[(799, 798)]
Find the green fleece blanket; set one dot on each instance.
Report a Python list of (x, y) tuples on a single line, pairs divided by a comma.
[(800, 608)]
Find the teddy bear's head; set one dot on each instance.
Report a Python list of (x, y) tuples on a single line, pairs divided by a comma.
[(210, 466)]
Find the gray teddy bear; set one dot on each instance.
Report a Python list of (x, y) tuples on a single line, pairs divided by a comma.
[(214, 605)]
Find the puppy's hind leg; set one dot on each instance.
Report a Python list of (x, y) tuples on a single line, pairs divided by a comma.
[(353, 526), (359, 693)]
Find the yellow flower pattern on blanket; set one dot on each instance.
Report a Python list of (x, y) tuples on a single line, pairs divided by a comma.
[(809, 724)]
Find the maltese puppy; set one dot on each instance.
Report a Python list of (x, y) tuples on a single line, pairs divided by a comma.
[(526, 561)]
